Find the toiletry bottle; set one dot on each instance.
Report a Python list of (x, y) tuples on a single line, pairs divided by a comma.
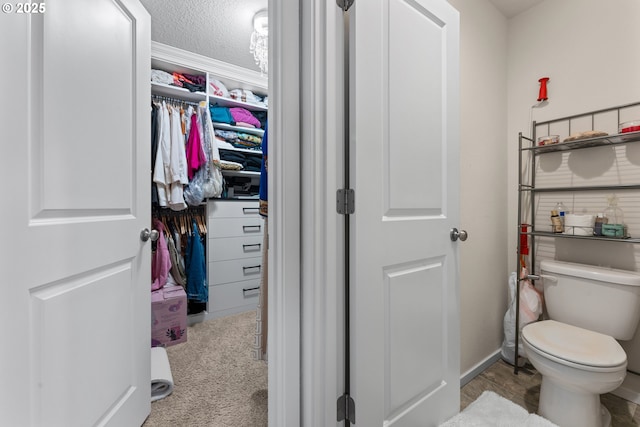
[(614, 227), (561, 212), (613, 212), (600, 219), (556, 224)]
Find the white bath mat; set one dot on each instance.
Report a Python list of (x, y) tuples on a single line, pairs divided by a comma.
[(492, 410)]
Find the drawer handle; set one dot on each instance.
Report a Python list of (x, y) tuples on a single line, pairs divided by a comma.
[(251, 228), (250, 210), (251, 248), (251, 267), (249, 292)]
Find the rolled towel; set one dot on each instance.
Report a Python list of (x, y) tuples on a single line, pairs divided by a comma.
[(161, 378)]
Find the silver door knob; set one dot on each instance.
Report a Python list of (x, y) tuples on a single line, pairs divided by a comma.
[(146, 235), (455, 235)]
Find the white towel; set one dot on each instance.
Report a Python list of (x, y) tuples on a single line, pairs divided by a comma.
[(161, 378), (491, 410)]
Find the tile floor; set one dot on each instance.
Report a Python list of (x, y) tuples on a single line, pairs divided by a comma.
[(524, 389)]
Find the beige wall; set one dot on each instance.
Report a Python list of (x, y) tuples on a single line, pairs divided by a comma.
[(483, 257), (585, 47)]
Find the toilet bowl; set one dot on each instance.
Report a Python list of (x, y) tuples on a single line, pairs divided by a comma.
[(576, 351), (577, 365)]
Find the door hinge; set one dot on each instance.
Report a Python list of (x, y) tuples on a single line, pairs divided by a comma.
[(346, 409), (345, 4), (346, 201)]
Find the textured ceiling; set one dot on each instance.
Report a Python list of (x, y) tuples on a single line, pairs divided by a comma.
[(219, 29)]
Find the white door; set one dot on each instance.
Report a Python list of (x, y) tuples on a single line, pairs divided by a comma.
[(405, 311), (75, 174)]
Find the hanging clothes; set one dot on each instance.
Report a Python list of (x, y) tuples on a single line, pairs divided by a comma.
[(161, 260), (161, 171), (197, 156), (179, 153), (177, 163), (155, 111), (197, 287), (264, 181), (177, 266), (214, 181), (195, 153)]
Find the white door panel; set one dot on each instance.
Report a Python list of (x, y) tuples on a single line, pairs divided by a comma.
[(405, 320), (75, 163)]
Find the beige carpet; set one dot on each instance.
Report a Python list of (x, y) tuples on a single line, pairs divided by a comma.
[(217, 383)]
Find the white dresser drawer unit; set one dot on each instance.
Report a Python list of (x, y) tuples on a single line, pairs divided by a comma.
[(235, 227), (233, 209), (234, 253), (235, 297), (234, 270), (227, 248)]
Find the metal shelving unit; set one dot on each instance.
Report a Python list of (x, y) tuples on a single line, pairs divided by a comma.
[(527, 146)]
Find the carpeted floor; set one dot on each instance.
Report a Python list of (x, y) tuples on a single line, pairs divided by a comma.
[(217, 381)]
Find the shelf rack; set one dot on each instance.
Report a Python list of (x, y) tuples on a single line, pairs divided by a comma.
[(527, 145)]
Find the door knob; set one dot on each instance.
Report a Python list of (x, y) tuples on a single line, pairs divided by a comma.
[(455, 235), (146, 235)]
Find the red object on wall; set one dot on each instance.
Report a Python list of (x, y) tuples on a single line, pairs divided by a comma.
[(542, 96)]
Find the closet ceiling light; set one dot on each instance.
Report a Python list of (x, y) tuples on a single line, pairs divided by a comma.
[(259, 46)]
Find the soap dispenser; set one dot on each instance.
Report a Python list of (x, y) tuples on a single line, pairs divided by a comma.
[(615, 219)]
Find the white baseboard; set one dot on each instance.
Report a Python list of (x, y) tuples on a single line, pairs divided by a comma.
[(630, 388), (480, 367)]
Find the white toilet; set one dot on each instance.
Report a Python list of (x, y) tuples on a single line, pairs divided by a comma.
[(576, 351)]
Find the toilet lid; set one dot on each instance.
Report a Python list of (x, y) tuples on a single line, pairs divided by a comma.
[(574, 344)]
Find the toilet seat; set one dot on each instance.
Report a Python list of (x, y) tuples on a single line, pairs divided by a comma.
[(574, 346)]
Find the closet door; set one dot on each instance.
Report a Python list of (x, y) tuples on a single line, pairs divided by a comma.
[(75, 167)]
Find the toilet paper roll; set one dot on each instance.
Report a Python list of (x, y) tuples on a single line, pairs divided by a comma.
[(576, 220), (161, 378)]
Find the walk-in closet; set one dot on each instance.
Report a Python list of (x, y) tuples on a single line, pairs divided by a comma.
[(209, 115)]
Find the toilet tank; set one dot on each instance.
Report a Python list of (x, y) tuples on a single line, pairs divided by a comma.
[(600, 299)]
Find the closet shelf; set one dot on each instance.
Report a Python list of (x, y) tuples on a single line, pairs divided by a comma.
[(228, 102), (177, 92), (239, 173), (225, 126), (586, 143), (223, 145)]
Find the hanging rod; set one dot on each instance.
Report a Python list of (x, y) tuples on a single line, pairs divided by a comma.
[(173, 100), (190, 210)]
